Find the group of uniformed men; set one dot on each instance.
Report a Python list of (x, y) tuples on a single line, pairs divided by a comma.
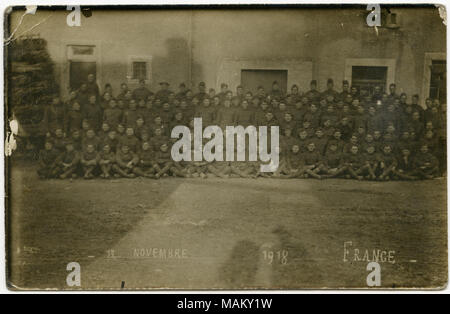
[(356, 133)]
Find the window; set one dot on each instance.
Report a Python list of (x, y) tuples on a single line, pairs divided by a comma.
[(367, 77), (438, 80), (139, 68), (83, 50)]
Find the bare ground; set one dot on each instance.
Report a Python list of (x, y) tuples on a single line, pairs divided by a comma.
[(225, 234)]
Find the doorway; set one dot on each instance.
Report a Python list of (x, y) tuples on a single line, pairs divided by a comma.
[(251, 79), (369, 77), (79, 72)]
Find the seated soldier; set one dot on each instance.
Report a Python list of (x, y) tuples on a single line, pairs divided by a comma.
[(312, 161), (405, 167), (47, 161), (353, 163), (371, 161), (163, 164), (426, 164), (68, 162), (295, 167), (106, 160), (388, 163), (89, 161), (146, 155), (126, 160), (333, 161)]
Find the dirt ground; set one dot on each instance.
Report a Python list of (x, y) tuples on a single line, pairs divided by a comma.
[(225, 234)]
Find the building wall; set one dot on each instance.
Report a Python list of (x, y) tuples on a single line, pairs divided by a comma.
[(160, 34), (325, 37), (319, 42)]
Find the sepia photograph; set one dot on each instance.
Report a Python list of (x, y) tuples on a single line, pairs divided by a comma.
[(226, 147)]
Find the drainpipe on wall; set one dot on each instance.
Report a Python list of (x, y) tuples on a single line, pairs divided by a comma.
[(191, 29)]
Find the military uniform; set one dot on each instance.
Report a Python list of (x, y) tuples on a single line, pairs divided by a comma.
[(59, 143), (294, 165), (245, 117), (374, 122), (207, 114), (405, 167), (94, 141), (333, 159), (72, 121), (225, 116), (89, 161), (113, 116), (286, 142), (163, 94), (144, 167), (47, 163), (131, 141), (312, 158), (321, 144), (125, 163), (92, 113), (113, 143), (371, 162), (141, 93), (162, 163), (426, 165), (284, 124), (388, 162), (106, 161), (67, 163), (354, 163), (340, 144), (313, 95), (313, 118)]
